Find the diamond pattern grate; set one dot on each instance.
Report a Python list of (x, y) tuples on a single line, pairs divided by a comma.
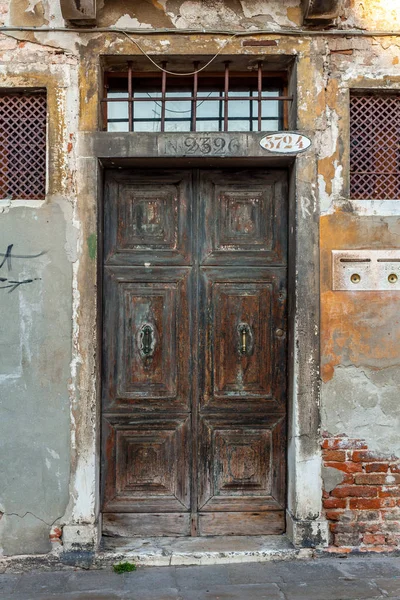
[(375, 147), (23, 145)]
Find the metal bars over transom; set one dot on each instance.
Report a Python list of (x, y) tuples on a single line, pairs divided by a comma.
[(227, 100)]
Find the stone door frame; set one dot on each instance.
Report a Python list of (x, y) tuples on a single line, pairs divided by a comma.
[(306, 526)]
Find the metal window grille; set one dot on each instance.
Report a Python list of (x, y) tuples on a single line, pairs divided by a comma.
[(375, 146), (205, 101), (23, 145)]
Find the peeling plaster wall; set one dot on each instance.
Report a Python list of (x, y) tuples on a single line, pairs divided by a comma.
[(36, 342), (36, 351), (49, 371)]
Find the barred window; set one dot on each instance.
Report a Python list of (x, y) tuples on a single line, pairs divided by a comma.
[(221, 100), (23, 145), (375, 146)]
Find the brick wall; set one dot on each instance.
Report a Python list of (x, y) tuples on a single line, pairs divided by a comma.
[(364, 509)]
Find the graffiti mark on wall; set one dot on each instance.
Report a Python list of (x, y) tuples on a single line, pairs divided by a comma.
[(7, 258)]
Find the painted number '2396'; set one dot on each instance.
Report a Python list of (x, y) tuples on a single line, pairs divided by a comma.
[(207, 145)]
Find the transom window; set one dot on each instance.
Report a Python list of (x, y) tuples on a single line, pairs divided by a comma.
[(204, 101)]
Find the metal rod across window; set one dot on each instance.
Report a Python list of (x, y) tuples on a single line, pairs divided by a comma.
[(201, 102)]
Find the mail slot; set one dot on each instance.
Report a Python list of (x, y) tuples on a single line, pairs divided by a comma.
[(366, 270)]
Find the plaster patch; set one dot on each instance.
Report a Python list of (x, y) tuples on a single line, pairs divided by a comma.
[(278, 13), (196, 14), (331, 478), (7, 204), (32, 5), (382, 208), (325, 141), (364, 403), (72, 233), (128, 22), (327, 201)]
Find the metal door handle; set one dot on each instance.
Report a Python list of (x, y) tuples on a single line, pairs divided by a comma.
[(147, 341), (246, 339), (243, 341)]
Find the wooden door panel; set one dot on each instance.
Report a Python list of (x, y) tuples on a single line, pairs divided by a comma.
[(147, 328), (242, 218), (146, 464), (239, 523), (234, 375), (241, 472), (147, 219), (146, 525)]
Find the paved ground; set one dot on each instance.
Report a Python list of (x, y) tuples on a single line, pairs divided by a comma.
[(320, 579)]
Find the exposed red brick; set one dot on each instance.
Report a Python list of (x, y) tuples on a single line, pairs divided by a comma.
[(388, 491), (371, 515), (393, 539), (365, 503), (364, 456), (334, 455), (342, 527), (355, 490), (388, 502), (333, 515), (344, 443), (377, 478), (376, 467), (334, 503), (391, 515), (374, 539), (346, 467), (341, 550), (364, 509), (392, 526), (369, 527), (347, 539)]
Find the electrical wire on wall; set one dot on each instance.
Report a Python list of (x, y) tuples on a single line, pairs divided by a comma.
[(301, 32)]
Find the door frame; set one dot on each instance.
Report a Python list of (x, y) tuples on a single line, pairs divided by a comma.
[(306, 526)]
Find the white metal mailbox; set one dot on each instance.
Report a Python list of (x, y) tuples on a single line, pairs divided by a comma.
[(366, 270)]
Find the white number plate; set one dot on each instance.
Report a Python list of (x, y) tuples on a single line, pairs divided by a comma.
[(285, 142)]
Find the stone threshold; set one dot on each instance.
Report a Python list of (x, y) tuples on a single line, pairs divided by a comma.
[(160, 552), (213, 550)]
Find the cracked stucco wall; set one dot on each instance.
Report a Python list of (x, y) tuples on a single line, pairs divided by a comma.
[(36, 353)]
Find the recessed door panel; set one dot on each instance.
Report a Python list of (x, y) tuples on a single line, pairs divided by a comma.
[(147, 219), (243, 218), (147, 325), (146, 463), (243, 335)]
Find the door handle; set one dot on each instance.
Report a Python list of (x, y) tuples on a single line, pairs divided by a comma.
[(246, 339), (243, 341), (147, 341)]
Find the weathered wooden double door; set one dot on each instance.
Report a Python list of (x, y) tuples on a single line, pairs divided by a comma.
[(194, 352)]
